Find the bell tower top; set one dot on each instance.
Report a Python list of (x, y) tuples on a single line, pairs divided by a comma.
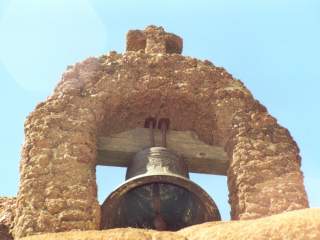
[(153, 40)]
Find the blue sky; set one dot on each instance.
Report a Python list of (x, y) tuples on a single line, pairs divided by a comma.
[(272, 46)]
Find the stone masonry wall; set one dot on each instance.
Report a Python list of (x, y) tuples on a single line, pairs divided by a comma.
[(117, 92), (7, 212), (300, 224)]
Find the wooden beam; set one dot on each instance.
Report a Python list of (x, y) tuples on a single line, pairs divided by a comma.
[(119, 149)]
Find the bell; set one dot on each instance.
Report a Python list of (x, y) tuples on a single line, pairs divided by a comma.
[(158, 194)]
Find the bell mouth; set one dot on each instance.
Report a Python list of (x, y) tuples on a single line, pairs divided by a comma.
[(182, 203)]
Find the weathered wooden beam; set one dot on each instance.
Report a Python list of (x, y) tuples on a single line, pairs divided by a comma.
[(119, 149)]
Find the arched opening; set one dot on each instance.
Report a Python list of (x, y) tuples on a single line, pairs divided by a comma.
[(186, 117), (108, 179), (217, 187)]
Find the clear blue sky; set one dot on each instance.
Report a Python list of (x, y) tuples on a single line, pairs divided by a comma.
[(272, 46)]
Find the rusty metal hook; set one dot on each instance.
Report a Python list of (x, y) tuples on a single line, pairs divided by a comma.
[(151, 123), (163, 125)]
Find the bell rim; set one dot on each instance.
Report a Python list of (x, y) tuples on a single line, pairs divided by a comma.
[(213, 213)]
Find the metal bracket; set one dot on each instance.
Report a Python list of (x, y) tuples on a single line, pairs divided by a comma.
[(151, 123), (163, 124)]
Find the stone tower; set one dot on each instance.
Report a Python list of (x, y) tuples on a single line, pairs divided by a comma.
[(117, 92)]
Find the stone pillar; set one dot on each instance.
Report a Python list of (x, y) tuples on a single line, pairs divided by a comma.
[(154, 40), (264, 176), (57, 171)]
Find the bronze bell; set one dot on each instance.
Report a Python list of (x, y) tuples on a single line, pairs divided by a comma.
[(158, 194)]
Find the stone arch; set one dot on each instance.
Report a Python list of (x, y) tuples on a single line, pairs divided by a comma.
[(117, 92)]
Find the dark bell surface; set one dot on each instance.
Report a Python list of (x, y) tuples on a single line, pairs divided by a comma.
[(158, 195), (178, 208)]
